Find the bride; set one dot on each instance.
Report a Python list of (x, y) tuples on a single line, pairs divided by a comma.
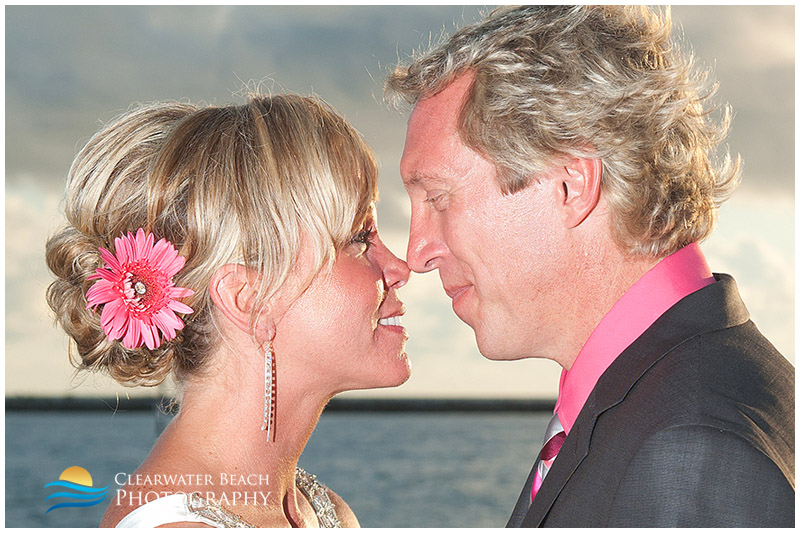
[(235, 250)]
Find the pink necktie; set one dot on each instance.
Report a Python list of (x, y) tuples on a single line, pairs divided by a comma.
[(554, 438)]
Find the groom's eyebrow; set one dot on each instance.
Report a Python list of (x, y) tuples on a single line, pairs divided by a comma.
[(413, 180), (419, 179)]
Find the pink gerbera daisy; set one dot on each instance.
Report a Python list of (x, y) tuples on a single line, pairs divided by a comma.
[(136, 291)]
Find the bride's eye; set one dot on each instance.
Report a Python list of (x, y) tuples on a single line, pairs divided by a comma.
[(362, 239)]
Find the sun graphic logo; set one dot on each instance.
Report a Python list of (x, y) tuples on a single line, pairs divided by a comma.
[(78, 480)]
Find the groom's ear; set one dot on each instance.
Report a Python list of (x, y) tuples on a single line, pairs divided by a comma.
[(578, 188)]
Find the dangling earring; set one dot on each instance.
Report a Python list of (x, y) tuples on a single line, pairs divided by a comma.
[(270, 398)]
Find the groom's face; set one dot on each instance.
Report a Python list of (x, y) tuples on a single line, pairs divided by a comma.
[(496, 253)]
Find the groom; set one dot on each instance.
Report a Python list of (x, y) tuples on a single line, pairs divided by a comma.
[(559, 165)]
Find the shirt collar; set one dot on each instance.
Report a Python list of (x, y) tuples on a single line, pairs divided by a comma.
[(669, 281)]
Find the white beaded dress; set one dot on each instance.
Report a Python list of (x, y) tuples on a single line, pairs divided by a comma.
[(194, 508)]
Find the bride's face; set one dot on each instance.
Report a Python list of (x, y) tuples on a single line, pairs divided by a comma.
[(344, 329)]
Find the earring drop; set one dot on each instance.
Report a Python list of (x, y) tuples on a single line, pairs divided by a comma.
[(270, 398)]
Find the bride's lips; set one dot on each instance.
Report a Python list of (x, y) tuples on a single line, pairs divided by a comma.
[(390, 322), (392, 318)]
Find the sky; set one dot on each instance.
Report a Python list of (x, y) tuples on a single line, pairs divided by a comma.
[(71, 69)]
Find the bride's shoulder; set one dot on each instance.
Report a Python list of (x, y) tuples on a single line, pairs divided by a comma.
[(152, 495), (114, 514), (125, 501), (346, 516)]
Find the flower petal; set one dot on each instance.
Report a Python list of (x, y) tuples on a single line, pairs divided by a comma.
[(121, 250), (179, 307), (150, 336), (167, 322), (138, 241), (122, 319), (179, 292), (172, 263), (111, 311), (161, 247), (148, 246), (110, 260), (108, 275), (133, 337), (101, 292)]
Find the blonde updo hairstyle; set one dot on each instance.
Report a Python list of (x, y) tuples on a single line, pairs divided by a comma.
[(605, 82), (236, 184)]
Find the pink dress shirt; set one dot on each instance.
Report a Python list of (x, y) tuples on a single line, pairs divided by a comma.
[(673, 278)]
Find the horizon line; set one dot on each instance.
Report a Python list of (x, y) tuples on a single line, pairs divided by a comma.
[(167, 404)]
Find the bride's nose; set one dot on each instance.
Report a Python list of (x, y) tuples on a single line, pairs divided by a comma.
[(395, 270)]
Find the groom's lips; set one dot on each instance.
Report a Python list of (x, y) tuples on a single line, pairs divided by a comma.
[(454, 292)]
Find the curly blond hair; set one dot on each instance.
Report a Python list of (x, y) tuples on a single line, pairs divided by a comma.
[(238, 184), (603, 82)]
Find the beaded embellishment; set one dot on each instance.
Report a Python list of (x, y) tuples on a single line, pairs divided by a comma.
[(317, 495), (214, 512), (313, 490)]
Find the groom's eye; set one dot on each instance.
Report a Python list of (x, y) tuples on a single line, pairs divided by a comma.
[(437, 199)]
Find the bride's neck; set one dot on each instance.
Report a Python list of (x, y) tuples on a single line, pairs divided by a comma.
[(231, 423), (220, 420)]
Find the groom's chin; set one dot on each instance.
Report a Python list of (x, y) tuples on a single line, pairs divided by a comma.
[(498, 349)]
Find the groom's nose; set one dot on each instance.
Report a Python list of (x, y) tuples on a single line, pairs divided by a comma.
[(425, 245)]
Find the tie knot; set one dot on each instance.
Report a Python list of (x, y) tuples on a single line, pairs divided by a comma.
[(553, 427), (552, 446)]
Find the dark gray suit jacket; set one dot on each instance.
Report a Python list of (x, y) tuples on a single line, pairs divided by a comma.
[(692, 425)]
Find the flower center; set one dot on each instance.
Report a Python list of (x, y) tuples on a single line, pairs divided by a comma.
[(145, 288)]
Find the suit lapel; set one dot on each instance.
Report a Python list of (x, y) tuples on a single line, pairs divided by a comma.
[(524, 500), (714, 307)]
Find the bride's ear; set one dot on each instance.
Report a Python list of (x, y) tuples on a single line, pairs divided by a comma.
[(233, 292)]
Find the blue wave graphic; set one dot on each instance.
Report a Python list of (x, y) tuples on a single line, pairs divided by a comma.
[(71, 495), (75, 504), (75, 486), (84, 493)]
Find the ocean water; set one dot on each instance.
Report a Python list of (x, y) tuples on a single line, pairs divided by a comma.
[(397, 469)]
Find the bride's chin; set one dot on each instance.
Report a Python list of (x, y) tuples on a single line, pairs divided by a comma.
[(389, 377), (403, 372)]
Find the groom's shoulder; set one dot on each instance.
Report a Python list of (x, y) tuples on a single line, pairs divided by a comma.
[(732, 380), (722, 369)]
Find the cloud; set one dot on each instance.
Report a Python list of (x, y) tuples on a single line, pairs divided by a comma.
[(764, 38), (68, 69), (754, 243), (751, 51), (33, 343)]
